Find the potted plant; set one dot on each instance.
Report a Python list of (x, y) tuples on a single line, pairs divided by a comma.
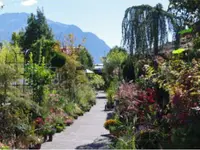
[(59, 128), (51, 133), (35, 142), (68, 121), (109, 105), (114, 127), (75, 116), (48, 132)]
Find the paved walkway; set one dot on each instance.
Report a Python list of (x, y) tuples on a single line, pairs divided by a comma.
[(86, 132)]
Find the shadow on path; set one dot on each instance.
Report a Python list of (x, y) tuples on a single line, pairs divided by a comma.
[(110, 115), (101, 143), (101, 97)]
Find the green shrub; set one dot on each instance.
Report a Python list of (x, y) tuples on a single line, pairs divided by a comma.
[(58, 60), (78, 110), (96, 81), (128, 69), (149, 139), (59, 128), (85, 96), (4, 147), (69, 108), (111, 91), (125, 142), (196, 43)]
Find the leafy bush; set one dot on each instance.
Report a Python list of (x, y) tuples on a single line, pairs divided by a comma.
[(58, 60), (85, 96), (38, 77), (125, 142), (111, 91), (113, 64), (129, 69), (85, 58), (70, 108), (47, 104), (48, 129), (196, 42), (4, 147), (59, 128), (96, 81), (181, 80)]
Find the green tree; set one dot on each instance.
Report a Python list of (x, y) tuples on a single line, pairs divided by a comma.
[(17, 38), (129, 69), (16, 108), (58, 60), (113, 62), (31, 33), (10, 64), (43, 29), (186, 10), (39, 77), (145, 27), (187, 14), (96, 81), (85, 58), (37, 36), (36, 29), (43, 48)]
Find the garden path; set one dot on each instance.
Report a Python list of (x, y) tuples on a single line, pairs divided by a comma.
[(87, 132)]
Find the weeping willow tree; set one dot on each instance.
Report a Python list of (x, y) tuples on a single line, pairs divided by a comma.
[(145, 28)]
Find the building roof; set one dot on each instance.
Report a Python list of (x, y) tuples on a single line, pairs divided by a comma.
[(89, 71), (98, 67)]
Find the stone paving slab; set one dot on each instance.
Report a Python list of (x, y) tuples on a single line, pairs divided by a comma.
[(85, 131)]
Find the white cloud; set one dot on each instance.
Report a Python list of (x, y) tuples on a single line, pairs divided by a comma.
[(28, 2), (1, 3)]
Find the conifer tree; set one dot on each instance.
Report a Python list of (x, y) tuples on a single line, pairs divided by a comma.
[(38, 38)]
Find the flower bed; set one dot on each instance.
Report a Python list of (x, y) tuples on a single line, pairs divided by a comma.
[(162, 106)]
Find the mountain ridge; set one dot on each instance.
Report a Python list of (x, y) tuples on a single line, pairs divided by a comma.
[(14, 22)]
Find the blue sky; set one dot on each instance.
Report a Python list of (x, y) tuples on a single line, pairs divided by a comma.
[(102, 17)]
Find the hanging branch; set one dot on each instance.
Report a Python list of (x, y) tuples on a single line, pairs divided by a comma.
[(145, 27)]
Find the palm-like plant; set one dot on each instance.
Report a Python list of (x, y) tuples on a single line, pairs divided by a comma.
[(145, 27)]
